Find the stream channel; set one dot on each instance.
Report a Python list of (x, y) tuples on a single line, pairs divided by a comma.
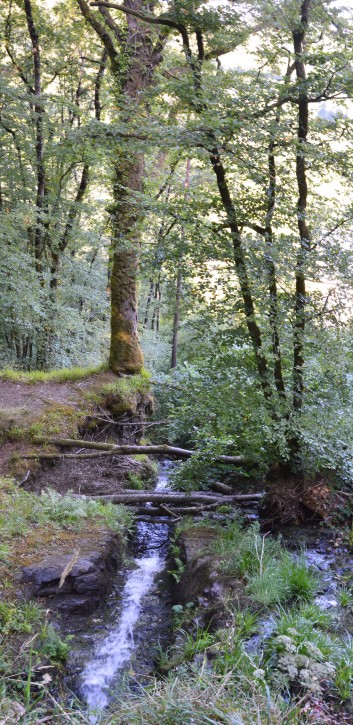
[(118, 646), (119, 643)]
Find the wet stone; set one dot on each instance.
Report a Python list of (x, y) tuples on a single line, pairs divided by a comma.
[(86, 584)]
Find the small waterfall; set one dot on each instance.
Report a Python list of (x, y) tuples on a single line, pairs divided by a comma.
[(114, 652)]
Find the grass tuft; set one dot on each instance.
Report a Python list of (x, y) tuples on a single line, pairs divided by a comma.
[(62, 375), (272, 574)]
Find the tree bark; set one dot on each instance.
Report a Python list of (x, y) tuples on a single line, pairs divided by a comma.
[(271, 272), (133, 498), (124, 450), (125, 351), (304, 232), (39, 142), (173, 362), (242, 274), (142, 58)]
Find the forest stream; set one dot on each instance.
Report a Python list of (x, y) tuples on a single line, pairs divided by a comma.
[(124, 636), (120, 643)]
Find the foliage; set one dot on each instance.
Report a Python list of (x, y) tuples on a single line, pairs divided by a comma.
[(135, 482), (214, 401), (301, 652), (23, 510), (243, 134), (273, 575), (55, 254), (30, 648)]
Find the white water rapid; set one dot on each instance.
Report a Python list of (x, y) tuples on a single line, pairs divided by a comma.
[(114, 652)]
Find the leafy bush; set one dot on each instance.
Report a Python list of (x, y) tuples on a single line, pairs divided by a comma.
[(302, 653)]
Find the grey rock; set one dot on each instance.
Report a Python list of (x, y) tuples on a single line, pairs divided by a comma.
[(85, 586)]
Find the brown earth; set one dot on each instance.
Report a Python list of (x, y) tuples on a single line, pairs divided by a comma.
[(94, 408), (70, 409)]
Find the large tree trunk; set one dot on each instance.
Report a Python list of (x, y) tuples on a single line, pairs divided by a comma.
[(125, 350), (141, 56)]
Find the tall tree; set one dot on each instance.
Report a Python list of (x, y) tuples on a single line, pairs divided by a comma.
[(45, 96), (134, 52), (255, 122)]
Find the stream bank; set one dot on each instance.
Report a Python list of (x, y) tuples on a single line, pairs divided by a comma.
[(225, 628)]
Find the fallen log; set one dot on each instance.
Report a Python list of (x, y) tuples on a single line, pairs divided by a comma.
[(133, 498), (113, 449), (195, 510), (222, 487)]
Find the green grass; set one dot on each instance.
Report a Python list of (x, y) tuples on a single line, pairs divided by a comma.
[(272, 575), (121, 396), (128, 385), (19, 617), (62, 375), (345, 597), (30, 649), (21, 510)]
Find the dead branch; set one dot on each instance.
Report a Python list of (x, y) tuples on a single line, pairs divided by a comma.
[(169, 511), (133, 498), (222, 487), (124, 450)]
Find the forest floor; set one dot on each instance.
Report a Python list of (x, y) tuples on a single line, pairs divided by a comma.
[(80, 408)]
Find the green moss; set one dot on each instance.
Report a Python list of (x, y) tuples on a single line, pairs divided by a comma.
[(56, 376), (128, 385), (56, 419), (122, 395)]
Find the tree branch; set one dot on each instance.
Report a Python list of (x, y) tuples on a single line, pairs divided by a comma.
[(126, 449), (103, 34), (153, 19)]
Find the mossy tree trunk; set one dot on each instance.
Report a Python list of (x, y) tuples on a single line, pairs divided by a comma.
[(125, 349), (134, 54)]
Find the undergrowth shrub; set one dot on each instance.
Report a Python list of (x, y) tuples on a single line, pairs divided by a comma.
[(20, 510), (305, 654), (272, 574)]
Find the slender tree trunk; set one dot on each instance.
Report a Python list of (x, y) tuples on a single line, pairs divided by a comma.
[(271, 273), (242, 274), (157, 306), (39, 141), (148, 304), (65, 237), (304, 232), (173, 363)]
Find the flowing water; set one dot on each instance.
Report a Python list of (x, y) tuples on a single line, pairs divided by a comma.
[(138, 611), (113, 653)]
